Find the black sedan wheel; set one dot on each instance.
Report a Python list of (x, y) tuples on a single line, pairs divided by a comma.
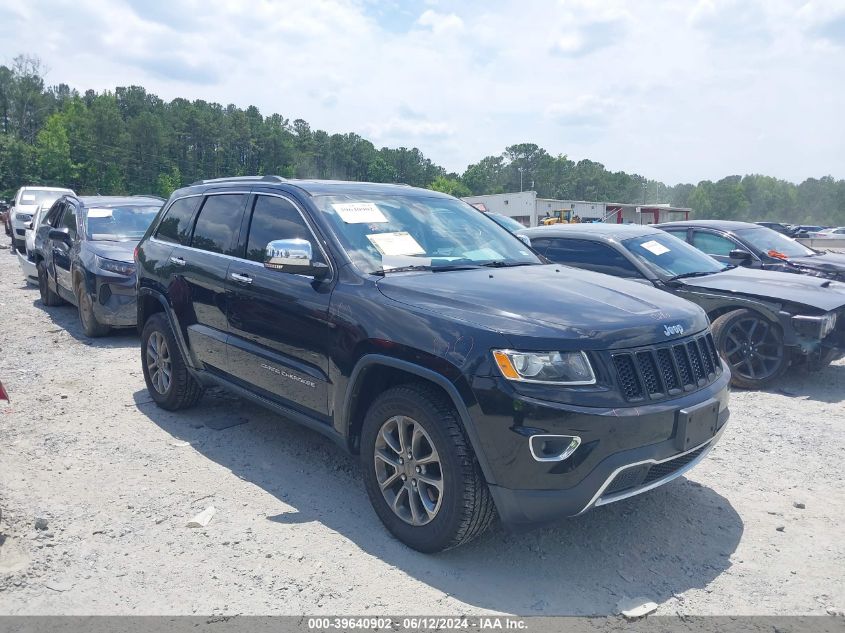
[(90, 324), (752, 346), (420, 472)]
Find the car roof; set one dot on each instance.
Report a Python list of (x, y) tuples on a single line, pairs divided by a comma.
[(601, 230), (725, 225), (45, 188), (123, 201), (314, 187)]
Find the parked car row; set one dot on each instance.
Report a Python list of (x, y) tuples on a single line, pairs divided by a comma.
[(473, 375), (806, 230)]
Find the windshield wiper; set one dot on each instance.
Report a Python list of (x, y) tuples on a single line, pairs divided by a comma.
[(499, 263), (695, 273), (435, 269)]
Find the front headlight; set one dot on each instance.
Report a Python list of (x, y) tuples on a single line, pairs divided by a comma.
[(114, 266), (551, 368)]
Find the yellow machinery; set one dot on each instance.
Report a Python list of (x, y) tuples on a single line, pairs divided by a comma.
[(561, 216)]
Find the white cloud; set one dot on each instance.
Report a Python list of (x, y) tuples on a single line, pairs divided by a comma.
[(440, 22), (666, 89)]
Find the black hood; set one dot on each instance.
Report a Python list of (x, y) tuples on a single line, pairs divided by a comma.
[(118, 251), (573, 309), (775, 286), (829, 263)]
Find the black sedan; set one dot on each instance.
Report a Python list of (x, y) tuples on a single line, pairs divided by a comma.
[(86, 257), (754, 246), (762, 320)]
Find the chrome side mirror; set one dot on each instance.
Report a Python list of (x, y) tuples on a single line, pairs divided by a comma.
[(293, 256), (525, 239)]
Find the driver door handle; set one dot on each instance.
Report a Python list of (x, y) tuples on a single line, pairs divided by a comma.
[(244, 279), (179, 261)]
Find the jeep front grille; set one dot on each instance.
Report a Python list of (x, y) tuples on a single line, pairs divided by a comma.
[(656, 372)]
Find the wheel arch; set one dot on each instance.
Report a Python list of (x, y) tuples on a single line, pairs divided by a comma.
[(150, 302), (374, 373)]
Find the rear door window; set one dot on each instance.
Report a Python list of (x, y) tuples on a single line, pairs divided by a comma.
[(593, 256), (713, 244), (176, 225), (218, 224), (681, 234)]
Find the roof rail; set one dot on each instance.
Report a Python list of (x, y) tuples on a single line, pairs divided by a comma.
[(210, 181), (148, 195)]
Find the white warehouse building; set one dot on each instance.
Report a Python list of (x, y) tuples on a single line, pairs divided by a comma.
[(527, 208)]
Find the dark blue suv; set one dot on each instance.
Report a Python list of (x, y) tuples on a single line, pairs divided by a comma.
[(470, 374)]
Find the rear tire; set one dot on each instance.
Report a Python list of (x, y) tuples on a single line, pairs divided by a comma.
[(85, 304), (429, 518), (752, 346), (169, 382), (48, 297)]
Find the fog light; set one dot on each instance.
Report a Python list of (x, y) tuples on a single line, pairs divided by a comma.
[(553, 448)]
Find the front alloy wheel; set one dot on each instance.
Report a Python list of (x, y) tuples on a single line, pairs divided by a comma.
[(421, 473), (752, 346), (408, 470)]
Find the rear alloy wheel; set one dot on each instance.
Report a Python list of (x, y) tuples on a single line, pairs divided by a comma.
[(752, 346), (48, 297), (420, 471), (90, 324), (168, 380)]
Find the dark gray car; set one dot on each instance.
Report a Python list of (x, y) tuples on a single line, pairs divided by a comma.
[(762, 320), (755, 246)]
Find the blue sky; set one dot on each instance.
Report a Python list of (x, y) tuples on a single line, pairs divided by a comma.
[(677, 91)]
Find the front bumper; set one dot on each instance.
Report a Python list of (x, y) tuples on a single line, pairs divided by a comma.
[(622, 452), (114, 299), (28, 268)]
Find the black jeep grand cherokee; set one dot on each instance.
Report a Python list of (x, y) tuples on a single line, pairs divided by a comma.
[(471, 375)]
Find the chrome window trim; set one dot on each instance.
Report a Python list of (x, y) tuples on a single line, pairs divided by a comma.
[(598, 501), (243, 260)]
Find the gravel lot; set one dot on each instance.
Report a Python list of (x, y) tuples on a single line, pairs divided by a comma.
[(755, 529)]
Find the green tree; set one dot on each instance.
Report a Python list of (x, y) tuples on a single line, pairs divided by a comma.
[(451, 186), (53, 150)]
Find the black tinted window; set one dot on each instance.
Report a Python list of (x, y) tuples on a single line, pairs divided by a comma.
[(54, 214), (69, 220), (540, 244), (218, 224), (276, 219), (176, 225), (590, 256)]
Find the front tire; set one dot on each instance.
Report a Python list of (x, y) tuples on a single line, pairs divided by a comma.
[(752, 346), (169, 382), (48, 297), (85, 303), (420, 472)]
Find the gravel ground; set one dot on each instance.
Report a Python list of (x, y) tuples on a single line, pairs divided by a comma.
[(755, 529)]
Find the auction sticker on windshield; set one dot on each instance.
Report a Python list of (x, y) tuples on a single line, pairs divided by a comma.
[(100, 213), (400, 243), (655, 247), (359, 212)]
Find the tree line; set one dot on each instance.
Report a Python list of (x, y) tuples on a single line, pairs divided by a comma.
[(130, 141)]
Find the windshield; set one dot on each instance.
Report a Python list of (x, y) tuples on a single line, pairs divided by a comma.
[(118, 224), (509, 223), (773, 243), (668, 256), (40, 196), (383, 233)]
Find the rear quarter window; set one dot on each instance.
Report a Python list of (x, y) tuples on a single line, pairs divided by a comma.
[(175, 227)]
